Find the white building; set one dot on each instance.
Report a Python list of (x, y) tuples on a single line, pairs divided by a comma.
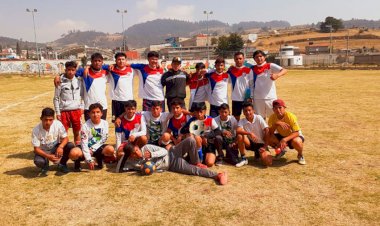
[(289, 56)]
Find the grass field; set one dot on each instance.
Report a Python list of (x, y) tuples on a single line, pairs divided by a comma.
[(339, 185)]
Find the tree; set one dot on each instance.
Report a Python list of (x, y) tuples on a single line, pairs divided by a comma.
[(18, 49), (227, 46), (336, 24), (214, 41)]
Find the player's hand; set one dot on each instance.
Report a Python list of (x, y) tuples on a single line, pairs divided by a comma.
[(274, 76), (117, 122), (59, 117), (283, 144), (227, 134), (254, 138), (86, 71), (111, 67), (203, 72), (91, 165), (59, 152), (283, 125), (53, 158), (204, 141), (57, 81), (131, 138), (147, 155)]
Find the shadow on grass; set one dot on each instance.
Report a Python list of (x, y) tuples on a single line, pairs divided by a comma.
[(31, 172), (22, 155), (276, 163)]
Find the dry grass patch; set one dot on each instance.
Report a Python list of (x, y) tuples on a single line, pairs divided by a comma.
[(339, 185)]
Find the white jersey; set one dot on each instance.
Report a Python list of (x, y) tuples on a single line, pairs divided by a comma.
[(257, 126), (95, 84), (229, 125), (240, 78), (150, 86), (47, 140), (218, 84), (121, 84), (155, 127), (93, 136), (263, 86)]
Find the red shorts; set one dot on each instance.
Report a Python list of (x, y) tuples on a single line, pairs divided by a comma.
[(72, 117)]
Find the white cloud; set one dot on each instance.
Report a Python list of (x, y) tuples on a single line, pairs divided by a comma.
[(180, 12), (147, 5), (68, 24)]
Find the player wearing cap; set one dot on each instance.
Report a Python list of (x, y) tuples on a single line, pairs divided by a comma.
[(288, 131), (175, 82), (264, 88)]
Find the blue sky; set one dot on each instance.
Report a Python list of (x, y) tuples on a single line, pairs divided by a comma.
[(56, 17)]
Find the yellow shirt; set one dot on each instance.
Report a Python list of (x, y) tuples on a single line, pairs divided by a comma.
[(288, 118)]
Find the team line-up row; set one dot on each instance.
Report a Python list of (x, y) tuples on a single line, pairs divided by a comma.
[(181, 141)]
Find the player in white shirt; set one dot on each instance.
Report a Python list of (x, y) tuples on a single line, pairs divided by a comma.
[(252, 134), (264, 87), (240, 78), (227, 125), (50, 143), (94, 135), (218, 83)]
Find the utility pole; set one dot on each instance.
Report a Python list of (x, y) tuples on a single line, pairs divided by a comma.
[(35, 38), (207, 43)]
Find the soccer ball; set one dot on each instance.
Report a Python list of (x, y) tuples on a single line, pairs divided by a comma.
[(148, 168)]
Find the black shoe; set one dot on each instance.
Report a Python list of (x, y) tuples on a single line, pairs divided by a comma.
[(77, 167)]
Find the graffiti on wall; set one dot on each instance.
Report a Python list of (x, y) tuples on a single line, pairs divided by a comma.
[(31, 66)]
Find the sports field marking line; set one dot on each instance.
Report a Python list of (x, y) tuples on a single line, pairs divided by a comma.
[(18, 103)]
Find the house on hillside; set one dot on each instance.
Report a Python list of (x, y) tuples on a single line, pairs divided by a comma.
[(319, 49)]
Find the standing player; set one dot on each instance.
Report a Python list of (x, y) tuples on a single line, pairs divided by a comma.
[(68, 100), (218, 82), (175, 82), (121, 84), (150, 87), (264, 87), (240, 76), (198, 86)]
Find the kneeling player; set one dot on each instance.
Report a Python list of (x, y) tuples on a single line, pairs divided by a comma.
[(94, 135)]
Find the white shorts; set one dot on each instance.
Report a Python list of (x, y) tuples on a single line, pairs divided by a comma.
[(263, 107)]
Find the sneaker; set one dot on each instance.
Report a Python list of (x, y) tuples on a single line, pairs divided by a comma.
[(44, 172), (242, 162), (77, 167), (301, 160), (279, 153), (120, 164), (63, 168), (222, 178), (219, 162), (200, 165)]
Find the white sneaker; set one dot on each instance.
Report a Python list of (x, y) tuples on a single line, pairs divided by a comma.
[(301, 160), (242, 163)]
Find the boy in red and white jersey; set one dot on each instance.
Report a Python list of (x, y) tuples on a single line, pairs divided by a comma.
[(264, 87), (198, 86)]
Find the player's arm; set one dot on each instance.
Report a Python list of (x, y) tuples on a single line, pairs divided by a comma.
[(51, 157), (278, 71), (154, 151), (142, 131), (56, 99)]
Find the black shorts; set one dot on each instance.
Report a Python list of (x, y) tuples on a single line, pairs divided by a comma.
[(214, 111), (117, 109), (237, 107), (289, 143)]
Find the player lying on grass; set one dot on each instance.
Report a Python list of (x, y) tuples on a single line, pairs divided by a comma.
[(168, 160), (252, 134), (50, 142), (94, 135), (288, 131)]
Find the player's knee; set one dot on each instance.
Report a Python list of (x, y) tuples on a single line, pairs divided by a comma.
[(75, 153), (40, 162), (108, 150), (297, 143), (239, 138)]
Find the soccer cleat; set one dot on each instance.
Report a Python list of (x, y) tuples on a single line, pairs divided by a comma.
[(219, 162), (222, 178), (242, 162), (44, 172), (63, 168), (301, 160)]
